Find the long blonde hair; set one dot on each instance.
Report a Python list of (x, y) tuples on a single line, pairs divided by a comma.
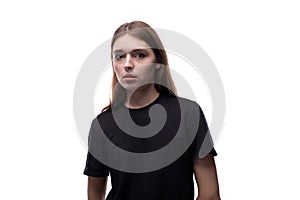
[(144, 32)]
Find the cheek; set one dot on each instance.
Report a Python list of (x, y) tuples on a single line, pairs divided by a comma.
[(149, 72), (116, 70), (151, 68)]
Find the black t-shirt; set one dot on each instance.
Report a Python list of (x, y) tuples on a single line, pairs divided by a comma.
[(172, 181)]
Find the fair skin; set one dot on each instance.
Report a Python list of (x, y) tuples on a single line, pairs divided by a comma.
[(133, 64), (96, 188), (206, 178)]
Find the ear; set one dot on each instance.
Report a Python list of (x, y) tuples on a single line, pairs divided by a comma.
[(157, 66)]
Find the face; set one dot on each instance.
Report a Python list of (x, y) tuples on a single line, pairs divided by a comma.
[(133, 62)]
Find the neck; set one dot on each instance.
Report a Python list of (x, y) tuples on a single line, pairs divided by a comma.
[(141, 97)]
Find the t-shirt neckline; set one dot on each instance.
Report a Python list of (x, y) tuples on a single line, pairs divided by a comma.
[(146, 106)]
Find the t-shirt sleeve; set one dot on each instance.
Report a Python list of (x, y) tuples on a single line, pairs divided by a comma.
[(94, 167), (203, 143)]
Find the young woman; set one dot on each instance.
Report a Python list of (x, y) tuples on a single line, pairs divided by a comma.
[(141, 80)]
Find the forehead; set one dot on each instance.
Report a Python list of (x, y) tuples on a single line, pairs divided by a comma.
[(128, 43)]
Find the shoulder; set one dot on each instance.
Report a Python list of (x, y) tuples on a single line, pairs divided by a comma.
[(104, 114), (189, 109), (102, 117), (188, 105), (181, 100)]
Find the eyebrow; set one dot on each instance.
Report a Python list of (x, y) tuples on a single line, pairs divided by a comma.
[(132, 51)]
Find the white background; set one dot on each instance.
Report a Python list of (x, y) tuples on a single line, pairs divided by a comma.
[(255, 46)]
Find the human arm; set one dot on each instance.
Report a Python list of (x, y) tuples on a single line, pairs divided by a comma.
[(96, 188), (206, 178), (96, 171)]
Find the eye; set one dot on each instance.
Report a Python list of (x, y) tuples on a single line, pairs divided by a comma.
[(119, 56), (140, 55)]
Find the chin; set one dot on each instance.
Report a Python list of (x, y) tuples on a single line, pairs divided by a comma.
[(130, 87)]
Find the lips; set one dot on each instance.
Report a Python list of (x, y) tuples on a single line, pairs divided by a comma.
[(129, 76)]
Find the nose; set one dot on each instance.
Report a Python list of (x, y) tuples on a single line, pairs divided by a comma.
[(128, 65)]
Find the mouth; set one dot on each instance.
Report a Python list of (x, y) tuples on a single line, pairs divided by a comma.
[(129, 77)]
